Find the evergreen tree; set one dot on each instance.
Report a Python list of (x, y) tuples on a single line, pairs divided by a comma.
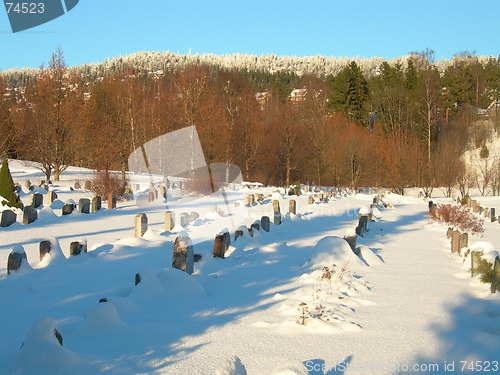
[(11, 199)]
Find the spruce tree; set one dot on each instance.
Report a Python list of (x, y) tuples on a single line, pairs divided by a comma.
[(10, 198)]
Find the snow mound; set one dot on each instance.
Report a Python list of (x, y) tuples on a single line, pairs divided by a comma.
[(178, 284), (233, 366), (489, 252), (368, 256), (365, 211), (102, 318), (332, 250), (290, 369), (46, 213)]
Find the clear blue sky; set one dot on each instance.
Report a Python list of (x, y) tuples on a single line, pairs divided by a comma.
[(96, 29)]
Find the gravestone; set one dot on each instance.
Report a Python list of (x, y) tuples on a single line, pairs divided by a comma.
[(310, 200), (247, 200), (455, 241), (141, 224), (51, 197), (492, 215), (44, 248), (468, 202), (15, 260), (151, 197), (96, 203), (476, 209), (277, 212), (486, 213), (77, 247), (251, 199), (36, 200), (163, 191), (8, 218), (68, 209), (292, 207), (31, 188), (18, 188), (184, 219), (463, 241), (183, 256), (449, 232), (238, 233), (41, 183), (362, 225), (351, 240), (226, 241), (265, 223), (495, 284), (218, 250), (169, 221), (111, 201), (84, 205), (77, 185), (27, 183), (475, 260), (29, 215), (193, 216), (87, 185), (255, 226)]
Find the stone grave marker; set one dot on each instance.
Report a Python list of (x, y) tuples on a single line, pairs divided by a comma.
[(51, 197), (492, 214), (310, 200), (455, 241), (8, 218), (77, 247), (218, 250), (184, 219), (77, 185), (87, 185), (68, 209), (475, 259), (463, 241), (84, 205), (277, 212), (169, 221), (29, 215), (15, 259), (111, 201), (495, 284), (44, 248), (141, 224), (183, 255), (36, 200), (292, 206), (265, 223), (96, 203), (193, 216)]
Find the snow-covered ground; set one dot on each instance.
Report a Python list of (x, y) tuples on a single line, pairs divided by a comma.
[(295, 300)]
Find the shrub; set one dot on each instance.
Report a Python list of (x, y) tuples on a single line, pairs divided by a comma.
[(485, 269), (104, 182), (457, 216)]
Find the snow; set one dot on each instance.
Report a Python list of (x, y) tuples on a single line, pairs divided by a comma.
[(296, 300)]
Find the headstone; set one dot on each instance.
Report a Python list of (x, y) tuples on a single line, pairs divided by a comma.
[(151, 197), (36, 200), (29, 215), (31, 188), (51, 197), (77, 247), (329, 193), (169, 221), (163, 191), (218, 251), (468, 202), (193, 216), (84, 205), (463, 241), (265, 223), (96, 203), (41, 183), (45, 187), (155, 193), (449, 232), (18, 188), (184, 219), (15, 260), (238, 233), (492, 215), (44, 248), (141, 224), (8, 218), (255, 226), (292, 206), (77, 185), (226, 241), (455, 240), (351, 240), (495, 284), (310, 200), (476, 208), (111, 201), (183, 256), (247, 200), (475, 259), (68, 209), (87, 185), (362, 225), (27, 183), (277, 212), (375, 200), (251, 198)]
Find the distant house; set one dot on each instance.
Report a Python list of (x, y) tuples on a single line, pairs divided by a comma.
[(298, 96)]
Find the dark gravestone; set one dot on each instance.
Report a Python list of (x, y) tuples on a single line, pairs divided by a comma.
[(68, 209), (137, 278), (449, 232), (84, 206), (362, 225), (492, 214), (77, 247), (495, 284), (29, 215), (351, 240), (169, 221), (218, 251), (193, 216), (255, 226), (184, 219), (265, 223), (183, 255), (292, 207), (18, 188), (36, 200), (96, 204), (15, 260), (45, 247), (8, 218), (163, 191), (141, 224), (238, 233), (51, 197), (277, 212), (226, 241)]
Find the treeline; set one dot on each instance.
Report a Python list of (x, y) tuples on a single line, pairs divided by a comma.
[(401, 125)]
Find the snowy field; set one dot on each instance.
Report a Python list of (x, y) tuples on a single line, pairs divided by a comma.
[(295, 300)]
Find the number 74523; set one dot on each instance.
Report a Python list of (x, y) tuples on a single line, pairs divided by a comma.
[(25, 8)]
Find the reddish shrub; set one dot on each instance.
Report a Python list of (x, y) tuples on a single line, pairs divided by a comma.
[(457, 216), (104, 182)]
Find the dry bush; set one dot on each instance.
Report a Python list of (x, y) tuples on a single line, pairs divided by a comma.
[(458, 217), (104, 182)]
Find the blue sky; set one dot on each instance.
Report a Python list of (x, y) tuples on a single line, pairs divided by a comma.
[(96, 29)]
